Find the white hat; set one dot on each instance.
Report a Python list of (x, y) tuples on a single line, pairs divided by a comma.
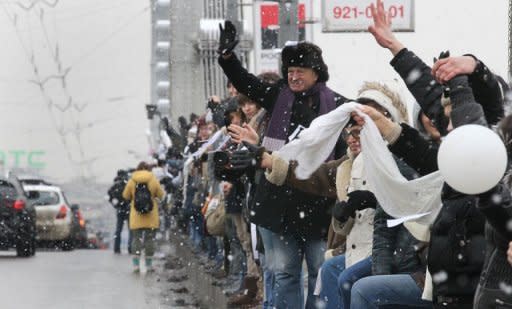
[(387, 95)]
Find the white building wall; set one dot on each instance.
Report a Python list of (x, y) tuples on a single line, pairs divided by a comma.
[(461, 26)]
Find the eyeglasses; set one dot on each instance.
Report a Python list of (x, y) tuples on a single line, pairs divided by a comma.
[(355, 132)]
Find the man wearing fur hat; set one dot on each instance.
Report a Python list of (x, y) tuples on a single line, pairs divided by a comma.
[(297, 221)]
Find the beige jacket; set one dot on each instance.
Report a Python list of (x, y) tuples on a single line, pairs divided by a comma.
[(334, 179)]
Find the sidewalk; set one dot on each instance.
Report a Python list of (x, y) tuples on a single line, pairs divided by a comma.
[(186, 275)]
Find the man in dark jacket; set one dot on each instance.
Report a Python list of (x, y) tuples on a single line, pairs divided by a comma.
[(122, 207), (299, 221)]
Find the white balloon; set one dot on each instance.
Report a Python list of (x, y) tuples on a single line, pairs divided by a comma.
[(472, 159)]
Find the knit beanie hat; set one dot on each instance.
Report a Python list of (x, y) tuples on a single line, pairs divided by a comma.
[(387, 95), (305, 55)]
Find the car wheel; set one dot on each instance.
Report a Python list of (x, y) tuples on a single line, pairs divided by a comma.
[(67, 245), (24, 248), (26, 244)]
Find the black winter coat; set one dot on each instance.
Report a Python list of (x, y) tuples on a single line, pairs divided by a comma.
[(487, 88), (457, 244), (394, 249), (496, 205), (281, 208)]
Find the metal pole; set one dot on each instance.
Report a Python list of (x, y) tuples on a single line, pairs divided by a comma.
[(288, 21)]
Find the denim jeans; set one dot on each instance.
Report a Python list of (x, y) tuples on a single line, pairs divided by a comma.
[(122, 216), (196, 233), (387, 291), (337, 280), (268, 268), (236, 256), (289, 252)]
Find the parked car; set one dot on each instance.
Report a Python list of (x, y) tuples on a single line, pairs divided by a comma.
[(17, 218), (79, 229), (54, 218)]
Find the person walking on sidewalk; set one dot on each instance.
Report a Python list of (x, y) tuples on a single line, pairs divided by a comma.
[(142, 190), (122, 207)]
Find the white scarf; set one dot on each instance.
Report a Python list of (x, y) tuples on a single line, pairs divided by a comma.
[(397, 196)]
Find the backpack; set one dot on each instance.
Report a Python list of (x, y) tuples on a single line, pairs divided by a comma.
[(142, 201)]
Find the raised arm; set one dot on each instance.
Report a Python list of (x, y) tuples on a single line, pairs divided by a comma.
[(263, 93)]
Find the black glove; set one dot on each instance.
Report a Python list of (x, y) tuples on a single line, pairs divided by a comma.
[(227, 40), (243, 159), (341, 211), (362, 199)]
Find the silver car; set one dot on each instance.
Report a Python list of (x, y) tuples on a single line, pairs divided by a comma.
[(54, 218)]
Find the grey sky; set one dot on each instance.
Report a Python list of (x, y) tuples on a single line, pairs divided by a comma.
[(95, 114)]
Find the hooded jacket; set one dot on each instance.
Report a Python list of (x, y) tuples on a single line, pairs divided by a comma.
[(151, 219)]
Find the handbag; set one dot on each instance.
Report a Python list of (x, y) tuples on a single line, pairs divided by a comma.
[(215, 220)]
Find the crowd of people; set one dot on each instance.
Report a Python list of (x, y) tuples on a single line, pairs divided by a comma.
[(274, 185)]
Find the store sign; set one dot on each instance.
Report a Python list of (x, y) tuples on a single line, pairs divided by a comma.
[(22, 158), (356, 15)]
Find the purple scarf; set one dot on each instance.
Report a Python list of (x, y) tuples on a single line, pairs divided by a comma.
[(277, 131)]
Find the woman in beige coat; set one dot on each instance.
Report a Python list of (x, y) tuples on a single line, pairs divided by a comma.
[(143, 226)]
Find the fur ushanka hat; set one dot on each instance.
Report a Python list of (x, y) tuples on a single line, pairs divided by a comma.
[(386, 94), (305, 55)]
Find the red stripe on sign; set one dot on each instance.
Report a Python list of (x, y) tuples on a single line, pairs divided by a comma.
[(301, 14), (269, 15)]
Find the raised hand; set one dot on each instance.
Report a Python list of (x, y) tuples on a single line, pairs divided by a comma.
[(227, 40), (381, 29), (244, 133), (447, 68)]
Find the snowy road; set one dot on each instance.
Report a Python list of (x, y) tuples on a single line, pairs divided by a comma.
[(78, 279)]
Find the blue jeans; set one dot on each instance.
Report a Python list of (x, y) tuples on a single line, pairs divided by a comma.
[(337, 280), (387, 291), (289, 251), (268, 268), (122, 216)]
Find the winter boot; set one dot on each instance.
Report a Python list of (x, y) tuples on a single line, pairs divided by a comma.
[(248, 295), (149, 265), (136, 264)]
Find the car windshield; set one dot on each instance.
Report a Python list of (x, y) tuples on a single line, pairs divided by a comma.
[(45, 198)]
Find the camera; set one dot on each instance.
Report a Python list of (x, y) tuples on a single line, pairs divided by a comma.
[(221, 158)]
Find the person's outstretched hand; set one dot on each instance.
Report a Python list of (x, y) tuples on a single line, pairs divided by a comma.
[(244, 133), (227, 40), (381, 29), (447, 68)]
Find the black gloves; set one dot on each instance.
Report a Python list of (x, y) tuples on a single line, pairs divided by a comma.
[(243, 159), (227, 40), (357, 200), (362, 199)]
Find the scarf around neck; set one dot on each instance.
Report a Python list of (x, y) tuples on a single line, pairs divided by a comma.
[(277, 131)]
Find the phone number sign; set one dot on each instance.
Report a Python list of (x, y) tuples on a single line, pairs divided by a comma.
[(356, 15)]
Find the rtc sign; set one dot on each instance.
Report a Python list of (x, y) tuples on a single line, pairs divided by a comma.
[(22, 158)]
